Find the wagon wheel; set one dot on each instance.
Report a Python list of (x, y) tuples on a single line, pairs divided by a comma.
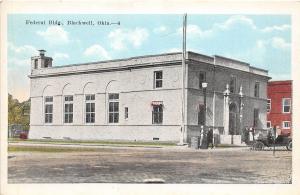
[(289, 146), (258, 145), (254, 145)]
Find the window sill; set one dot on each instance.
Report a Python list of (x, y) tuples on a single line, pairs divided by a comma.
[(89, 124), (48, 124)]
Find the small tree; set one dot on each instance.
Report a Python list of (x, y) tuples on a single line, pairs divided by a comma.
[(18, 113)]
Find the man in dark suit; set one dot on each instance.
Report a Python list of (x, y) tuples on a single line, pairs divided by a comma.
[(210, 135)]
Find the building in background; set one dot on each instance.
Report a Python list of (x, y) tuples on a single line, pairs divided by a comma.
[(141, 98), (279, 106)]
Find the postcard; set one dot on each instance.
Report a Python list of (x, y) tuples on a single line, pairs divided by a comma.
[(103, 96)]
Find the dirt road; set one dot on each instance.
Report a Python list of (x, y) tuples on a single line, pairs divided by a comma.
[(135, 165)]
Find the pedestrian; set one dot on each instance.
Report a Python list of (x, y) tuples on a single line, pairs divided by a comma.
[(279, 136), (270, 137), (210, 138), (201, 136), (252, 131), (278, 131), (246, 135)]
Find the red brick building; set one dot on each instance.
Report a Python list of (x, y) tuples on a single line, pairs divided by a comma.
[(279, 107)]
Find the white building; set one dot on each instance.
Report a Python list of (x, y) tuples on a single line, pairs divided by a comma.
[(140, 98)]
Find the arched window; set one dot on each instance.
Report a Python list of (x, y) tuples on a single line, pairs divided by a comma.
[(89, 91), (113, 108), (157, 112)]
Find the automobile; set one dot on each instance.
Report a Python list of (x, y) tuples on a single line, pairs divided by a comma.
[(16, 133), (269, 141), (24, 135)]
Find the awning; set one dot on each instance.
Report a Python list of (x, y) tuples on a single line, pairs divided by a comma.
[(156, 103)]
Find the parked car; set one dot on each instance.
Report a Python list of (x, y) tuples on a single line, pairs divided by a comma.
[(281, 140), (24, 135), (17, 133)]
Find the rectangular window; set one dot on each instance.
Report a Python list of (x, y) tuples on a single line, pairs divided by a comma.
[(268, 105), (48, 109), (158, 79), (157, 114), (269, 125), (286, 124), (68, 109), (90, 108), (89, 97), (126, 112), (256, 89), (202, 79), (286, 105), (113, 108), (255, 117), (232, 85)]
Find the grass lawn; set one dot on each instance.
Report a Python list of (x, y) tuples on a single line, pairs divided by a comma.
[(48, 149), (92, 142)]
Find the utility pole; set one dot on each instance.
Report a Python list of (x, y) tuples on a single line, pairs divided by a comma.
[(183, 126)]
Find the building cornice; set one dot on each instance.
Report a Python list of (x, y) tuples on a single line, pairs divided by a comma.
[(108, 69), (167, 59), (220, 93)]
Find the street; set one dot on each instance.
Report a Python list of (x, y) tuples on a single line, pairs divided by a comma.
[(138, 164)]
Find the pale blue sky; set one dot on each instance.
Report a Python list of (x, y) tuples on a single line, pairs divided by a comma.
[(261, 40)]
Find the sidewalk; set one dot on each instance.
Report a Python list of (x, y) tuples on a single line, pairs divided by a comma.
[(125, 146)]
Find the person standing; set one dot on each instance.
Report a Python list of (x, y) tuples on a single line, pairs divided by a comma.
[(246, 135), (252, 132), (210, 135), (278, 131)]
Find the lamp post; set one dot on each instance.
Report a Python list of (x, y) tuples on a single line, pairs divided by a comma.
[(204, 86), (241, 96), (226, 94)]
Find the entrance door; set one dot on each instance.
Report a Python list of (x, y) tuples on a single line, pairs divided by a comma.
[(232, 119)]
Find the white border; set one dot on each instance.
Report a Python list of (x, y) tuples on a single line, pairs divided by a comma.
[(154, 6)]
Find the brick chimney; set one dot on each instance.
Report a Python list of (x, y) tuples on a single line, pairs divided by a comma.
[(41, 61)]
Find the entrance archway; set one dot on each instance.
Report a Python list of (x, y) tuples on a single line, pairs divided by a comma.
[(232, 119)]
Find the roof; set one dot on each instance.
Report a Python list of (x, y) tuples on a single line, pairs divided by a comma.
[(147, 60), (282, 82)]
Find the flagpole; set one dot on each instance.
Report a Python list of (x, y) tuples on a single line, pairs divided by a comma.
[(183, 125)]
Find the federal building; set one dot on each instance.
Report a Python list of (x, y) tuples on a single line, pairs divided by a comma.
[(153, 97)]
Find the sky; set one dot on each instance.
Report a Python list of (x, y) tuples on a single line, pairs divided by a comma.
[(264, 41)]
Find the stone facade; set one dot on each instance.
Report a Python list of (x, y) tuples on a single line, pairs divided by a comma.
[(134, 80)]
